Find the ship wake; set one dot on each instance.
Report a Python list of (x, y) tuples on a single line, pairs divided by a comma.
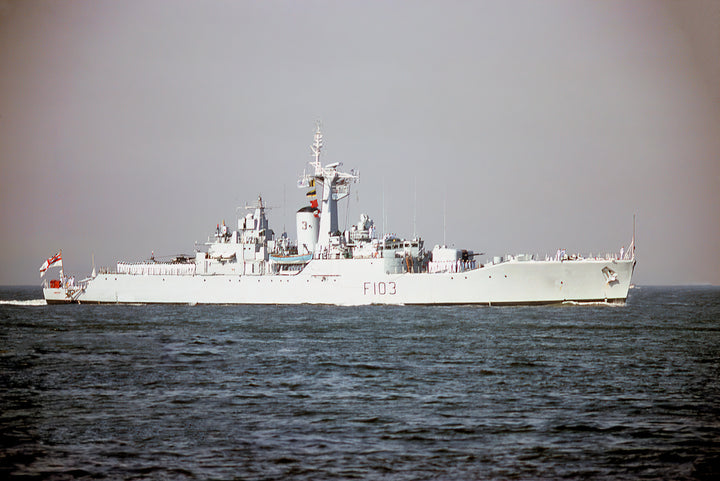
[(31, 302)]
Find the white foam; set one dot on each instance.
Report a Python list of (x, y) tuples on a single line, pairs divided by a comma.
[(31, 302)]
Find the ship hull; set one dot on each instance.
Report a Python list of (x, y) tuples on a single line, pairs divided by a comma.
[(57, 295), (365, 281)]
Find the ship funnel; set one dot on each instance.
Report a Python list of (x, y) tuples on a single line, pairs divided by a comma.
[(307, 230)]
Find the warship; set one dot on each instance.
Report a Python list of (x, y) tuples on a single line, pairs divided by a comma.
[(357, 266)]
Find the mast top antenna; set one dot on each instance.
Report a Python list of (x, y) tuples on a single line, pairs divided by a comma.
[(317, 146)]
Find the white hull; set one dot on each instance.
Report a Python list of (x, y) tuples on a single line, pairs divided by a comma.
[(360, 282), (56, 295)]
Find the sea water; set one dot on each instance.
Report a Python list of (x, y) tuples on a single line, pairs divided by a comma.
[(322, 392)]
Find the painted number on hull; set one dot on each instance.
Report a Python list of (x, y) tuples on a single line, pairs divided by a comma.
[(379, 288)]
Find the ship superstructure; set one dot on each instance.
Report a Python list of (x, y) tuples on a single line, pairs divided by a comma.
[(324, 265)]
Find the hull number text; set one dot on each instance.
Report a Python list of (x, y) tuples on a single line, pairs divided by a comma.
[(379, 288)]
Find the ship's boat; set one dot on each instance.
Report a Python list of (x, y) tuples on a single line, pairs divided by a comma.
[(290, 259)]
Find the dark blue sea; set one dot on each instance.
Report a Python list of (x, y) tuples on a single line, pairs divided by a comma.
[(396, 393)]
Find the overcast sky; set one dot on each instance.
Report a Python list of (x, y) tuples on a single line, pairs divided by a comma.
[(521, 126)]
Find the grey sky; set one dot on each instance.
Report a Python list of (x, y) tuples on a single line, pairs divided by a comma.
[(136, 126)]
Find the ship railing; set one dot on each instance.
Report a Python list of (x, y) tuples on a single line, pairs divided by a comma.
[(609, 256), (451, 266), (156, 269)]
